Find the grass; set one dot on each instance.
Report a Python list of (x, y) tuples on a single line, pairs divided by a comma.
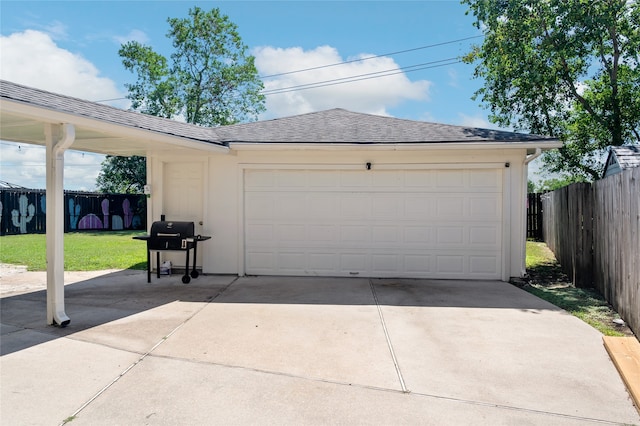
[(548, 282), (83, 251)]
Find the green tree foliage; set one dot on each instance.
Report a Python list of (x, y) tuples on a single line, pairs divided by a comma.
[(564, 68), (208, 80), (554, 183), (122, 175)]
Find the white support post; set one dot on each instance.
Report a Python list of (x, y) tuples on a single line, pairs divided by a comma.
[(59, 137)]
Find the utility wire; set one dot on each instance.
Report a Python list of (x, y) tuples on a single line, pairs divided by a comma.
[(348, 62), (361, 77), (372, 57)]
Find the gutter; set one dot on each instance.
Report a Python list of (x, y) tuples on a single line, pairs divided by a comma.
[(270, 146), (533, 156)]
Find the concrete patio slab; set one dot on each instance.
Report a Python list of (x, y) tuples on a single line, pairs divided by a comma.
[(492, 342), (199, 393), (265, 350), (323, 328)]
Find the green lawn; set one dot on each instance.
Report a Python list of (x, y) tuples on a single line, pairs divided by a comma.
[(83, 251), (548, 282)]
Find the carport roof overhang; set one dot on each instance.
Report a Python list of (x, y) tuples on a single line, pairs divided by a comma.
[(122, 133)]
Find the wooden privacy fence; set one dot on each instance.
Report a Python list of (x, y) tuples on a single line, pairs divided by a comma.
[(594, 231), (534, 215)]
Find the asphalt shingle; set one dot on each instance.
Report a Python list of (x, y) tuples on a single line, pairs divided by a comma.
[(342, 126), (628, 156), (88, 109), (335, 126)]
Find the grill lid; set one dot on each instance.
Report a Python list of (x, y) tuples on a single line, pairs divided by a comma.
[(166, 235), (169, 229)]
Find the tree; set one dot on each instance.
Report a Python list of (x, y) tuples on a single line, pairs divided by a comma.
[(565, 68), (553, 183), (122, 175), (209, 80)]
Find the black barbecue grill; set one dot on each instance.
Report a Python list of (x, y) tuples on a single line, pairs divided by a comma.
[(172, 236)]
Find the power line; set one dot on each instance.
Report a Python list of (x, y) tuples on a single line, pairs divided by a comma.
[(372, 57), (350, 62), (361, 77)]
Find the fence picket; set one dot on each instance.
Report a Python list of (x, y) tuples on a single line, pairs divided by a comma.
[(594, 231)]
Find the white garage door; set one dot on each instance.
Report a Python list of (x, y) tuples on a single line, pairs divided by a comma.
[(444, 223)]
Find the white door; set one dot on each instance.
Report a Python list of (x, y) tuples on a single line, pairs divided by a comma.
[(183, 199), (444, 223)]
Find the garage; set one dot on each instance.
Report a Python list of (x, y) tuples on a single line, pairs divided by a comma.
[(428, 221), (326, 193)]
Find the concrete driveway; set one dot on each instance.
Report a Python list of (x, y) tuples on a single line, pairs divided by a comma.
[(273, 350)]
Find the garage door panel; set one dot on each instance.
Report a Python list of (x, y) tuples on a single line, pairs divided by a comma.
[(418, 265), (354, 206), (484, 235), (350, 179), (483, 265), (292, 233), (450, 179), (351, 263), (386, 264), (450, 265), (487, 180), (418, 207), (418, 179), (448, 235), (418, 235), (260, 206), (355, 234), (386, 234), (450, 208), (489, 207), (412, 223), (386, 206), (323, 207)]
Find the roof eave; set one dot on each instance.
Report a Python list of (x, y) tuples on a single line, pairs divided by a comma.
[(49, 115), (415, 146)]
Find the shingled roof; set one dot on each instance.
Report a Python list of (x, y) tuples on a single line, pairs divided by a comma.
[(105, 113), (341, 126), (628, 156), (335, 126)]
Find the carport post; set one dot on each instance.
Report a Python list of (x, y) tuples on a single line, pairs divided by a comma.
[(59, 137)]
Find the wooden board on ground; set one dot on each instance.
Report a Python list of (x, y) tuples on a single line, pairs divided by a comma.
[(625, 354)]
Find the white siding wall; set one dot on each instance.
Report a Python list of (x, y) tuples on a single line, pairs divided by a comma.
[(223, 197)]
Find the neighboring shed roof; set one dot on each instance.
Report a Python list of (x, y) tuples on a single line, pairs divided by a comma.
[(105, 113), (342, 126), (621, 158), (628, 156)]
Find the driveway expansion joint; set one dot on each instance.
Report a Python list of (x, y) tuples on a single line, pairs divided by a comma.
[(387, 337), (145, 355)]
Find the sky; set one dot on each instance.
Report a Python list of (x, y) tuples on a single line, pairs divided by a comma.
[(71, 48)]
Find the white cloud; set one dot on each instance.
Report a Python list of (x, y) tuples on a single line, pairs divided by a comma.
[(373, 95), (24, 165), (474, 121), (56, 29), (134, 35), (32, 58)]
